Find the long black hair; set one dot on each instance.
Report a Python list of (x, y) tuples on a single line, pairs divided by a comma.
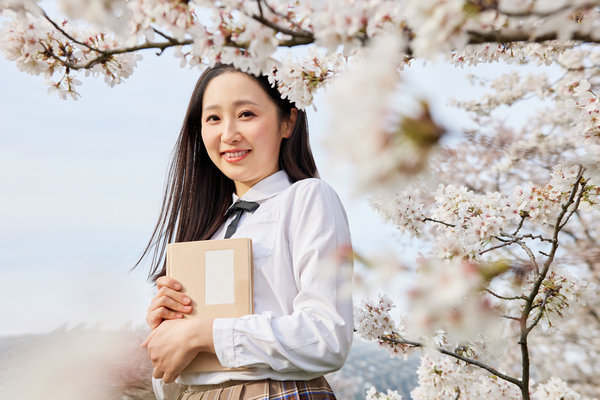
[(197, 193)]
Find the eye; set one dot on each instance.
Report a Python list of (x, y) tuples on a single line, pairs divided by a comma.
[(246, 114), (211, 117)]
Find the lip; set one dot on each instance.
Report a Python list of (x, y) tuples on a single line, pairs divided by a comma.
[(229, 157)]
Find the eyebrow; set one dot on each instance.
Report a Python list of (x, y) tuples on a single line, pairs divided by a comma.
[(235, 104)]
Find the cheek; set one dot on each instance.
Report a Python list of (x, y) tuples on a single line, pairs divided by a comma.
[(268, 136), (209, 140)]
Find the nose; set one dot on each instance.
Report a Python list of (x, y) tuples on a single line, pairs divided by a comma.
[(231, 133)]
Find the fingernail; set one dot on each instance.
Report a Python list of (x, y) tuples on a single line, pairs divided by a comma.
[(186, 299), (177, 286)]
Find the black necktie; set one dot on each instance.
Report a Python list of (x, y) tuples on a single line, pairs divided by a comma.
[(238, 207)]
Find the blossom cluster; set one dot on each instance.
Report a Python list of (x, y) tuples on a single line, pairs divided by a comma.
[(372, 320), (373, 394), (443, 378), (555, 389), (36, 48), (588, 104), (248, 34), (507, 89), (468, 222)]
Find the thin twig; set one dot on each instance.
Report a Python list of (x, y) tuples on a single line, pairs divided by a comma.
[(425, 219), (68, 36), (507, 243), (581, 183), (520, 224), (540, 312), (514, 239), (304, 36), (505, 297), (260, 10), (531, 256), (539, 237), (274, 11), (164, 35)]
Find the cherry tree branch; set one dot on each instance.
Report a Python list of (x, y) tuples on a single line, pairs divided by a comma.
[(107, 55), (304, 36), (523, 216), (505, 297), (550, 13), (561, 219), (298, 37), (164, 35), (576, 206), (67, 35), (425, 219), (453, 354), (293, 23), (506, 36)]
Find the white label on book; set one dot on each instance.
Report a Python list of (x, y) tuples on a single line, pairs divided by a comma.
[(219, 277)]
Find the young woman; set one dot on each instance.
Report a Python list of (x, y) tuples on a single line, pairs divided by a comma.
[(241, 142)]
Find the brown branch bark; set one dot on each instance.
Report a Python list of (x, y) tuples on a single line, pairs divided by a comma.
[(505, 297), (566, 8), (515, 36), (425, 219), (561, 219), (468, 360)]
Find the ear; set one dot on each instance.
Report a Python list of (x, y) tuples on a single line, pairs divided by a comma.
[(287, 125)]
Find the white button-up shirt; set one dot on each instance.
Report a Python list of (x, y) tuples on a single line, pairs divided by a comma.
[(302, 323)]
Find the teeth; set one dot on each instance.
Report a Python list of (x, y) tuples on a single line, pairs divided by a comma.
[(235, 154)]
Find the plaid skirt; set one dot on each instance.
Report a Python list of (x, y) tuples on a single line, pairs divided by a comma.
[(315, 389)]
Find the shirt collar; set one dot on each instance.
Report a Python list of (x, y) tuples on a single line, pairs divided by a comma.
[(270, 186)]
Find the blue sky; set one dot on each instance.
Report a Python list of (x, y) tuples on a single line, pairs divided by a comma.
[(81, 184)]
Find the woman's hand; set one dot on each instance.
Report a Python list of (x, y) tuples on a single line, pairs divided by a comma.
[(169, 303), (175, 343)]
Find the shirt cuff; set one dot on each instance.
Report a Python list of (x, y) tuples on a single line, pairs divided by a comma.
[(223, 341)]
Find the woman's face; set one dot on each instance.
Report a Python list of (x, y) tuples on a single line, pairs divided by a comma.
[(241, 129)]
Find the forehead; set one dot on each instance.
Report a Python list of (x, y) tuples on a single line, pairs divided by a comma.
[(231, 87)]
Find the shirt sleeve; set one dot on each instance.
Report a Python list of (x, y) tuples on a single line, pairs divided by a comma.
[(317, 336)]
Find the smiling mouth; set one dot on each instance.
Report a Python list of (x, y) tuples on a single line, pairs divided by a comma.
[(235, 155)]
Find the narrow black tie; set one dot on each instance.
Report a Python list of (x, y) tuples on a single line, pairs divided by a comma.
[(238, 207)]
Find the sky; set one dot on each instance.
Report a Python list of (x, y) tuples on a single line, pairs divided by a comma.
[(81, 183)]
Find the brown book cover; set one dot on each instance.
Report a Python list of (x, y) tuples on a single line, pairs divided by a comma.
[(217, 276)]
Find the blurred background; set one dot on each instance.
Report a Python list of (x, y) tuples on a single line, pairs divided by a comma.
[(81, 184), (82, 181)]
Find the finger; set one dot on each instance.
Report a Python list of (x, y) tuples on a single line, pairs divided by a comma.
[(156, 317), (178, 304), (165, 281), (169, 377), (172, 294), (157, 373)]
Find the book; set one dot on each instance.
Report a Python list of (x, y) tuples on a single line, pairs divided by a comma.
[(217, 276)]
